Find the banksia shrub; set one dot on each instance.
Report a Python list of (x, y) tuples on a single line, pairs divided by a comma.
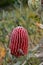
[(19, 41)]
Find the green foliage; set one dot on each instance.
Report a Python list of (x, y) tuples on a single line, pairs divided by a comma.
[(5, 2), (19, 16), (24, 17), (33, 61)]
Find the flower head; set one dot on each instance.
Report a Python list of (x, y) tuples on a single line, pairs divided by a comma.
[(19, 41)]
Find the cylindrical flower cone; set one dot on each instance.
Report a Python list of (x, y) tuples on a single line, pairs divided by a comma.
[(19, 41)]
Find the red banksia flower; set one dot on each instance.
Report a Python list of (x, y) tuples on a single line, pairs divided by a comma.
[(19, 41)]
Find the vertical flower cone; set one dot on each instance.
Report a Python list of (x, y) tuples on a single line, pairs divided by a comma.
[(19, 41)]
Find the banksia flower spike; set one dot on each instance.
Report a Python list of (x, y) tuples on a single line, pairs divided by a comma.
[(19, 41)]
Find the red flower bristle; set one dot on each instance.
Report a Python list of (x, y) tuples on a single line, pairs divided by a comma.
[(19, 41)]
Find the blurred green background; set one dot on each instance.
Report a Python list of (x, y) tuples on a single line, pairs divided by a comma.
[(20, 13)]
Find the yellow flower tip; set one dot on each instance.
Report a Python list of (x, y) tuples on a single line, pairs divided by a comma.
[(2, 52), (37, 24)]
